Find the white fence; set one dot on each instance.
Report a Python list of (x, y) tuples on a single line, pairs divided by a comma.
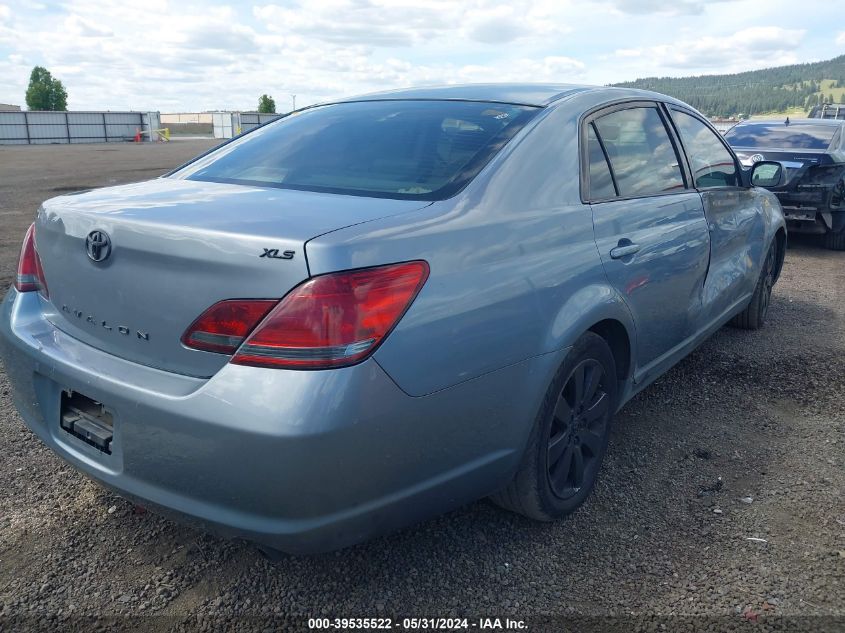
[(250, 120), (229, 124), (40, 128), (223, 124)]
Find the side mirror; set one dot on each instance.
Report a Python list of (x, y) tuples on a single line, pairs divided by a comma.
[(768, 174)]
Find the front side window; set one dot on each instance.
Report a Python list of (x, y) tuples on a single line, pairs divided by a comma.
[(412, 150), (712, 164), (640, 151)]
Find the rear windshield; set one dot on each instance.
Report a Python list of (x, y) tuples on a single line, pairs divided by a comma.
[(779, 135), (416, 150)]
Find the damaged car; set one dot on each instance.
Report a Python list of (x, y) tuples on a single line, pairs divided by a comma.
[(377, 310), (812, 152)]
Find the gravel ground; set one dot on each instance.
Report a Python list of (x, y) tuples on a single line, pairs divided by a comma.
[(720, 504)]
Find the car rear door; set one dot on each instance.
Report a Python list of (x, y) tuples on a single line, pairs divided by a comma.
[(649, 226), (733, 211)]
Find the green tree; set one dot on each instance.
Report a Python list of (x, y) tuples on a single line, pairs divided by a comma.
[(757, 91), (45, 92), (267, 105)]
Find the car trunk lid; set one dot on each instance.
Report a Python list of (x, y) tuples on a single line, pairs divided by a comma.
[(176, 248), (792, 160)]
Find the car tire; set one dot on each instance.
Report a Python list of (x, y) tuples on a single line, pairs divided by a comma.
[(567, 444), (754, 315), (835, 241)]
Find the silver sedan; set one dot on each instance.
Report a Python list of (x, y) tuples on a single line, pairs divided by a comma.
[(376, 310)]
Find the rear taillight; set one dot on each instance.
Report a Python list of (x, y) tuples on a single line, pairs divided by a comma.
[(30, 275), (328, 321), (223, 327), (334, 320)]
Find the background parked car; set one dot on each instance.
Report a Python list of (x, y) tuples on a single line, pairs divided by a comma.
[(813, 153), (828, 111)]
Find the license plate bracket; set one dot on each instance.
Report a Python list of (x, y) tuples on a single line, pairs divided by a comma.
[(88, 420)]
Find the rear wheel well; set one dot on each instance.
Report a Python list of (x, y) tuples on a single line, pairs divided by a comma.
[(616, 337)]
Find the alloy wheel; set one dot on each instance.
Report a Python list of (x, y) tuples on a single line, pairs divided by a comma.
[(578, 429)]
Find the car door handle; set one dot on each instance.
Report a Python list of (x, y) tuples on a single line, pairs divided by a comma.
[(624, 250)]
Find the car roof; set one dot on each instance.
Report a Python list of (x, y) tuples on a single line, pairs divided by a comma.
[(539, 95)]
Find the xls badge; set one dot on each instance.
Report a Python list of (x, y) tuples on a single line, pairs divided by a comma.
[(273, 253)]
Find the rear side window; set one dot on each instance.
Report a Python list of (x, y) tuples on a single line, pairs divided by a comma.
[(712, 164), (413, 150), (601, 182), (640, 151)]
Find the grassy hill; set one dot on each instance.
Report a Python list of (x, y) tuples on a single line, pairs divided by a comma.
[(785, 89)]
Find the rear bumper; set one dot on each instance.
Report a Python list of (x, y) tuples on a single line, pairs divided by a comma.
[(814, 222), (301, 461), (816, 199), (813, 200)]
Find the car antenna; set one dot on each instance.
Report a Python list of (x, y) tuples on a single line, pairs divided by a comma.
[(787, 121)]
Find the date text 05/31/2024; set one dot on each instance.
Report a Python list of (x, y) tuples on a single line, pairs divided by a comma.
[(416, 624)]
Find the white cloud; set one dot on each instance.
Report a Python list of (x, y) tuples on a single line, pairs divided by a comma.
[(629, 52), (841, 39), (189, 56), (547, 69), (770, 45), (379, 23), (507, 23), (80, 27), (356, 21), (200, 54), (671, 7)]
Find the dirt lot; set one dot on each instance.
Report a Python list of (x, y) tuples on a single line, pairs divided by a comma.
[(29, 174), (721, 504)]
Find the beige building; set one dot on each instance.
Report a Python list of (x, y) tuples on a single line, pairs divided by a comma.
[(185, 117), (8, 107)]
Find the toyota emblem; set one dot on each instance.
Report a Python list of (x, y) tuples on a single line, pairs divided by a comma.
[(98, 246)]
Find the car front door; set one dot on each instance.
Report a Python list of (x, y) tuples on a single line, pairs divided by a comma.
[(649, 226), (734, 216)]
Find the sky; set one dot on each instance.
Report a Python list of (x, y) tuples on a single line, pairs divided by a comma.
[(197, 55)]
